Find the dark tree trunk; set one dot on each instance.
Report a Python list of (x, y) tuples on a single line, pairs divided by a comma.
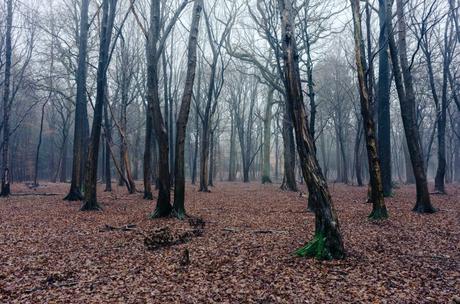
[(147, 169), (211, 160), (181, 124), (327, 243), (442, 117), (108, 140), (108, 17), (37, 153), (289, 182), (404, 86), (6, 191), (81, 120), (266, 142), (383, 100), (357, 150), (379, 210)]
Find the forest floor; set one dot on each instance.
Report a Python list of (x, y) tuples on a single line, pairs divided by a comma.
[(52, 253)]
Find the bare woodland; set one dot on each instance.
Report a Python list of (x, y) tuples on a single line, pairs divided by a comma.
[(216, 144)]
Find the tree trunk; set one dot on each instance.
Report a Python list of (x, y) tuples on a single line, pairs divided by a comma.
[(108, 17), (383, 100), (404, 86), (6, 191), (357, 150), (211, 160), (81, 120), (442, 118), (108, 140), (181, 123), (289, 182), (266, 142), (379, 210), (327, 243)]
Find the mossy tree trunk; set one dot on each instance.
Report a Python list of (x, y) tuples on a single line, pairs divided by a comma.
[(327, 243)]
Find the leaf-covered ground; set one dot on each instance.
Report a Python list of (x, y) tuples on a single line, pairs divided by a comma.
[(51, 252)]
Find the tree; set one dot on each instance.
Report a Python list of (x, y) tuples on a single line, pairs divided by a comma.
[(5, 191), (383, 102), (108, 16), (214, 90), (267, 120), (327, 243), (81, 117), (404, 86), (155, 46), (379, 210), (181, 124)]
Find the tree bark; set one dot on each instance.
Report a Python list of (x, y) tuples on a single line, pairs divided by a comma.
[(267, 134), (181, 124), (289, 182), (327, 243), (108, 17), (383, 100), (81, 120), (405, 90), (379, 210), (6, 191)]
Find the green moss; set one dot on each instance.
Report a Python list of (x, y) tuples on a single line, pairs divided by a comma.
[(266, 180), (316, 248), (378, 214), (179, 214)]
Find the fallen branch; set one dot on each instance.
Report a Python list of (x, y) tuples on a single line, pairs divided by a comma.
[(35, 194), (260, 231), (127, 227)]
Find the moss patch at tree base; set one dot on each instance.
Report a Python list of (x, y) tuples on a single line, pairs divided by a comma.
[(90, 206), (266, 180), (378, 214), (160, 212), (74, 196), (419, 208), (317, 248), (179, 214)]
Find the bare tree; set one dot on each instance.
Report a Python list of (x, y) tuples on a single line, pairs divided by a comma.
[(179, 169), (327, 243), (379, 210)]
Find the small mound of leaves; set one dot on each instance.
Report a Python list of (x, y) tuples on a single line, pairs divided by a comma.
[(165, 236)]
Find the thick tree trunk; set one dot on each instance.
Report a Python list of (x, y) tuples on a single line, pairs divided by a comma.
[(289, 182), (266, 142), (232, 156), (383, 100), (181, 124), (379, 210), (147, 169), (357, 151), (204, 158), (404, 86), (90, 198), (211, 160), (163, 207), (108, 140), (81, 120), (442, 118), (327, 243), (6, 191)]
